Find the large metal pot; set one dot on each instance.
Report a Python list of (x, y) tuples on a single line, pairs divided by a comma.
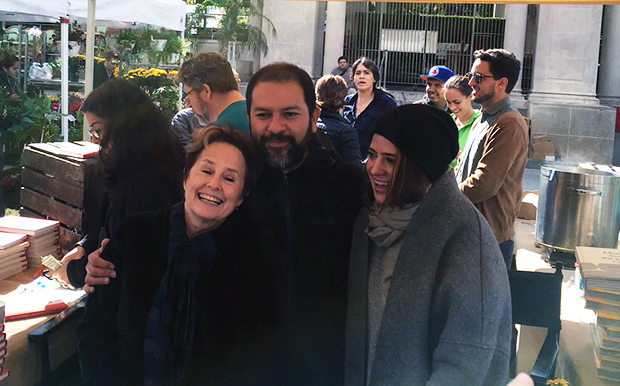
[(577, 207)]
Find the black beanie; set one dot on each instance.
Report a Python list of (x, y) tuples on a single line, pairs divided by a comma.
[(426, 135)]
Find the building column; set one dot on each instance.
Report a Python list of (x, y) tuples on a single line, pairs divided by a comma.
[(567, 52), (609, 76), (563, 103), (334, 34), (295, 23), (514, 40)]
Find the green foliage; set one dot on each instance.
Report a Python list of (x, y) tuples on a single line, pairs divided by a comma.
[(234, 25), (167, 97), (131, 43), (31, 120), (76, 33)]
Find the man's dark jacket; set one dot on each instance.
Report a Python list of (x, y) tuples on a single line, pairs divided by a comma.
[(302, 223)]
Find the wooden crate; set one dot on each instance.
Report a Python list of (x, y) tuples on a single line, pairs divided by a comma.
[(61, 188)]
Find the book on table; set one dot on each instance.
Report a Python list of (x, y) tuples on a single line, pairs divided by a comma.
[(606, 354), (599, 268), (28, 225)]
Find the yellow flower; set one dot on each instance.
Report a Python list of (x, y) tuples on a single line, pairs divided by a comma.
[(557, 382), (53, 99)]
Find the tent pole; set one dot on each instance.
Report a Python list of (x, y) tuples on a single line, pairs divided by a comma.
[(64, 84), (90, 62)]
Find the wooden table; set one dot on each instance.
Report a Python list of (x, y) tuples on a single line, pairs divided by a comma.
[(39, 346)]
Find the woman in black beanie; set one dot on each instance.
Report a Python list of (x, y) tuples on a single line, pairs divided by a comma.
[(428, 300)]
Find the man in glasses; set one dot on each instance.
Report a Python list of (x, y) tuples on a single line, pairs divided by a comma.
[(435, 80), (490, 169), (212, 92), (104, 71)]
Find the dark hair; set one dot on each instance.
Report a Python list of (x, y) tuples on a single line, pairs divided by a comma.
[(330, 92), (111, 55), (208, 68), (137, 142), (342, 57), (409, 184), (211, 134), (281, 73), (502, 64), (460, 83), (7, 59), (369, 64)]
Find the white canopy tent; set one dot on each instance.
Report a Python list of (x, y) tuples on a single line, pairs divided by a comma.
[(169, 14)]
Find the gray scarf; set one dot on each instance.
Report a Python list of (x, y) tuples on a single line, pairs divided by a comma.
[(386, 225)]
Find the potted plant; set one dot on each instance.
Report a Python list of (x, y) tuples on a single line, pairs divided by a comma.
[(76, 38)]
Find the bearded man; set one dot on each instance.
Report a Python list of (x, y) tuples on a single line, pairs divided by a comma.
[(300, 214)]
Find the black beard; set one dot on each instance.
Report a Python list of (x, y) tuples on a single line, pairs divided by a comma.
[(483, 98), (286, 158)]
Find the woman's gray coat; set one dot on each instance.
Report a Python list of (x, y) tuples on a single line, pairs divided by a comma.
[(447, 318)]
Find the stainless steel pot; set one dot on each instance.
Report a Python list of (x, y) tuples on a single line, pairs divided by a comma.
[(577, 207)]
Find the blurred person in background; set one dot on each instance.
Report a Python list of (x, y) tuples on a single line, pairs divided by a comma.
[(458, 98), (330, 93), (364, 107), (105, 71)]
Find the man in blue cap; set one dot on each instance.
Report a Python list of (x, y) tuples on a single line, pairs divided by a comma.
[(435, 80)]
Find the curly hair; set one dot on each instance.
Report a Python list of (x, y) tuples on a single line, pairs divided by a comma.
[(330, 92), (138, 142), (208, 68)]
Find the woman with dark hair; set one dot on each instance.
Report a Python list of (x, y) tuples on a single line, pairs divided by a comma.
[(142, 164), (330, 93), (428, 300), (9, 64), (364, 107), (179, 317), (457, 92)]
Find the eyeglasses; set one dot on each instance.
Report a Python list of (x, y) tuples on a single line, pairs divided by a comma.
[(186, 94), (477, 77), (95, 133)]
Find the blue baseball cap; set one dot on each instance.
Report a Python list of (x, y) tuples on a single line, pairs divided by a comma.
[(441, 73)]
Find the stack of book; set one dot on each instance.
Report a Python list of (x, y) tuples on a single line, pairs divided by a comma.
[(4, 373), (42, 235), (12, 254), (599, 269)]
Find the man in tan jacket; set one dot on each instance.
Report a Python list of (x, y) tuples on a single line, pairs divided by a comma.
[(490, 169)]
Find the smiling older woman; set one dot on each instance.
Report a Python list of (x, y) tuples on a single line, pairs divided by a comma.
[(428, 301), (169, 316)]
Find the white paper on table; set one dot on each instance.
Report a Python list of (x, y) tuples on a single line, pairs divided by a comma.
[(37, 294)]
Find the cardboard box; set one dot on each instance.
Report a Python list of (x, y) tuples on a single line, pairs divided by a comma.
[(545, 148), (529, 205), (540, 138)]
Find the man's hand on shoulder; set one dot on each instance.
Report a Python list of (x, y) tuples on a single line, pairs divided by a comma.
[(98, 270)]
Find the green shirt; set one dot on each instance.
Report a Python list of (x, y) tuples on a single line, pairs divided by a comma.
[(464, 133), (235, 116)]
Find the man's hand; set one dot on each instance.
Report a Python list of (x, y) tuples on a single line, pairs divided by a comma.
[(98, 271), (61, 273)]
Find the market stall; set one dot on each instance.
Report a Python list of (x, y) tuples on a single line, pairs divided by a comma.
[(168, 14)]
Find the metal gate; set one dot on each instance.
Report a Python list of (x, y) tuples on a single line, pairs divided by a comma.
[(406, 39)]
